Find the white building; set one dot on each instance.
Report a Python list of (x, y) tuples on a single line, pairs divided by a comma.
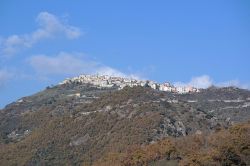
[(109, 81)]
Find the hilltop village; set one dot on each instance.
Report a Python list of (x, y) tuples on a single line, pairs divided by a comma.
[(106, 81)]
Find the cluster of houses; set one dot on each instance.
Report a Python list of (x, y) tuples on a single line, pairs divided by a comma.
[(106, 81)]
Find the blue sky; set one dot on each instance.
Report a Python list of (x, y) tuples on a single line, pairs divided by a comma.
[(184, 42)]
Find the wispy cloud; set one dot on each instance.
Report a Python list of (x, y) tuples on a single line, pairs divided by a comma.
[(4, 76), (71, 64), (203, 81), (235, 82), (206, 81), (50, 26)]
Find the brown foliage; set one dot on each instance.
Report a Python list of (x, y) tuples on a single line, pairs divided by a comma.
[(226, 147)]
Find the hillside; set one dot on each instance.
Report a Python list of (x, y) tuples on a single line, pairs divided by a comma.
[(78, 123), (225, 147)]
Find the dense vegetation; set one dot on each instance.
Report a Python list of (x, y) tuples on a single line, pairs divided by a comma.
[(225, 147)]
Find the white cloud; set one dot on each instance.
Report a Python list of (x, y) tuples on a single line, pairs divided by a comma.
[(50, 26), (206, 81), (105, 70), (236, 83), (203, 81), (71, 64), (4, 76)]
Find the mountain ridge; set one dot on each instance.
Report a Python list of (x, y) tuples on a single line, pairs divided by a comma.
[(78, 122)]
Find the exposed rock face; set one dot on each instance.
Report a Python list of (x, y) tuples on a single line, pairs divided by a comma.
[(79, 140)]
